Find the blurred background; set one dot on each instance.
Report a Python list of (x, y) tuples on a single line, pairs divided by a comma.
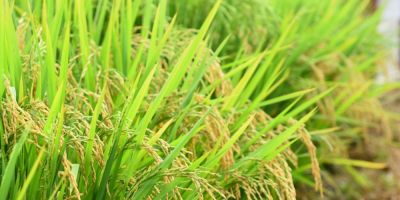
[(389, 27)]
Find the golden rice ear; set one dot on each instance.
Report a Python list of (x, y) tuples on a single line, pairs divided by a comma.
[(214, 74), (67, 173), (316, 171)]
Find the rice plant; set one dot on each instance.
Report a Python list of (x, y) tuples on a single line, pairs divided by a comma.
[(323, 44), (132, 99)]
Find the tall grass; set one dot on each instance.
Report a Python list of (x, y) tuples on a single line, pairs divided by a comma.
[(322, 44), (121, 100)]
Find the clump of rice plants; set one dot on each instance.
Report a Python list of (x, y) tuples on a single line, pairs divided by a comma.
[(107, 100), (132, 99), (322, 44)]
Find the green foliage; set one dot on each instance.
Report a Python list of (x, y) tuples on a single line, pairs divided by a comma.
[(119, 99)]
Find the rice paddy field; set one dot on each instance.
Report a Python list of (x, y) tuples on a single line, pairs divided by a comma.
[(196, 99)]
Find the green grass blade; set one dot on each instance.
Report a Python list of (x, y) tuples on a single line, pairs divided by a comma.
[(9, 172)]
